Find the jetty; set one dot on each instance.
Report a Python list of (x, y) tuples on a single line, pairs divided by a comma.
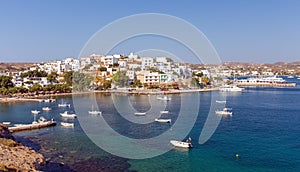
[(32, 126)]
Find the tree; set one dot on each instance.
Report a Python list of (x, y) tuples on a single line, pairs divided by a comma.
[(52, 77), (68, 77), (34, 73), (195, 82), (106, 85), (102, 68), (81, 81), (120, 79), (35, 88), (137, 69), (5, 81), (205, 81), (199, 74)]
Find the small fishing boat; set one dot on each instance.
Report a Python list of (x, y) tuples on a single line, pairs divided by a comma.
[(164, 112), (221, 101), (68, 115), (94, 112), (224, 112), (166, 98), (162, 120), (140, 113), (46, 108), (64, 105), (67, 124), (35, 111), (181, 144)]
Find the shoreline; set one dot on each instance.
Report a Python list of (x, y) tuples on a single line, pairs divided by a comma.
[(38, 98)]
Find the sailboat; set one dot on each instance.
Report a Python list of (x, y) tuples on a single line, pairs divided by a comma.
[(64, 105), (94, 112)]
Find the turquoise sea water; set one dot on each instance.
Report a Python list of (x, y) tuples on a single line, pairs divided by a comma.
[(264, 130)]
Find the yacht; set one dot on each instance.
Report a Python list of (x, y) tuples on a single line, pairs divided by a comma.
[(35, 111), (46, 108), (67, 124), (224, 112), (181, 144), (94, 112), (140, 113), (162, 120)]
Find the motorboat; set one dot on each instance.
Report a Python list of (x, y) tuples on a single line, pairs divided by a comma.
[(64, 105), (166, 98), (162, 120), (46, 108), (49, 100), (35, 111), (290, 77), (231, 88), (181, 144), (68, 115), (6, 123), (42, 119), (164, 112), (221, 101), (224, 112), (140, 113), (67, 124), (94, 112)]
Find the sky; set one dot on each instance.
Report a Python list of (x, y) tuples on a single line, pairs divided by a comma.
[(263, 31)]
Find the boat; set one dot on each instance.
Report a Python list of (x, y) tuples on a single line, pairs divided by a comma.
[(42, 119), (290, 77), (166, 98), (67, 124), (140, 113), (224, 112), (164, 112), (35, 111), (49, 100), (162, 120), (94, 112), (6, 123), (46, 108), (64, 105), (181, 144), (221, 101), (273, 81), (68, 115), (231, 88)]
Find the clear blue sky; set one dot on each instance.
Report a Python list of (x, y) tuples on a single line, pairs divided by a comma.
[(240, 30)]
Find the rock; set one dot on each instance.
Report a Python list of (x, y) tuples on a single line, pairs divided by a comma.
[(16, 157)]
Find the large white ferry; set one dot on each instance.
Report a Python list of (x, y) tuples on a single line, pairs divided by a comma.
[(264, 82)]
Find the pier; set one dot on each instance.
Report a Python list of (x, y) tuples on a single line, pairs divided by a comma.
[(33, 126)]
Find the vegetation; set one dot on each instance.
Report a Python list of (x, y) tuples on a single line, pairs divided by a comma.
[(35, 73), (5, 82), (120, 79)]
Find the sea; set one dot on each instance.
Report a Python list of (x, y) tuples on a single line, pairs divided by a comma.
[(263, 134)]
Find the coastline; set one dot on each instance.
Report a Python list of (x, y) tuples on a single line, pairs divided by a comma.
[(37, 98)]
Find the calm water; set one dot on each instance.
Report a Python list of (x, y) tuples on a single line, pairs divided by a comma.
[(264, 130)]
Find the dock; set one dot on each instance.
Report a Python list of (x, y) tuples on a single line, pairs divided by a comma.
[(33, 126)]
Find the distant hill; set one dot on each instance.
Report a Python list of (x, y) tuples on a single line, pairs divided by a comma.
[(14, 67)]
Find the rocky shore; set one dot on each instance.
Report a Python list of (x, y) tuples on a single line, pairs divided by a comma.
[(16, 157)]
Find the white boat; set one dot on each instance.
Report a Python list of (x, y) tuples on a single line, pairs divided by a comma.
[(46, 108), (64, 105), (67, 124), (164, 112), (35, 111), (6, 123), (140, 113), (49, 100), (42, 119), (272, 81), (166, 98), (181, 144), (94, 112), (162, 120), (224, 112), (291, 77), (68, 115), (231, 88), (221, 101)]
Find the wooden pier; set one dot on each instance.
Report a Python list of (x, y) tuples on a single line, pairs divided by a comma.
[(33, 126)]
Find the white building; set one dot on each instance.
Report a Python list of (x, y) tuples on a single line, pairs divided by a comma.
[(147, 62)]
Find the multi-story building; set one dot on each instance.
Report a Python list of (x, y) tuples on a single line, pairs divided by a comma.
[(147, 62)]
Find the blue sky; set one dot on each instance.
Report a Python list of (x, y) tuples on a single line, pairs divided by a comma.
[(248, 31)]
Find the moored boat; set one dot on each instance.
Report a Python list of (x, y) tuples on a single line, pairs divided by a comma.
[(68, 115), (64, 105), (164, 112), (162, 120), (46, 108), (94, 112), (166, 98), (67, 124), (224, 112), (181, 144), (221, 101), (231, 88), (140, 113), (35, 111)]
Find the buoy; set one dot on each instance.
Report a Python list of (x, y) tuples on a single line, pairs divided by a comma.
[(237, 155)]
